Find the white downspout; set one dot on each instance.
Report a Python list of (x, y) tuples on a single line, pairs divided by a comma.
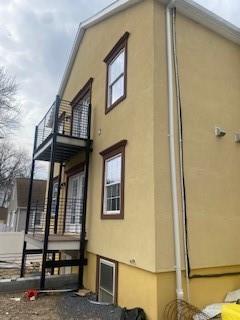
[(175, 206)]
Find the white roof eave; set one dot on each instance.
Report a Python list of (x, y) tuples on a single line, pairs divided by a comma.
[(113, 8), (208, 19), (188, 8)]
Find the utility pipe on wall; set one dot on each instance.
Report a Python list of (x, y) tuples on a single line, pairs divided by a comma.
[(172, 154)]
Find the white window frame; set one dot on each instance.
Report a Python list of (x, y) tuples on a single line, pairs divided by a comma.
[(105, 211), (121, 75), (110, 264)]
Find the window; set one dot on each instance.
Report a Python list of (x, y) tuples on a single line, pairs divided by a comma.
[(113, 181), (112, 184), (107, 280), (61, 123), (74, 199), (116, 60), (80, 110), (36, 217), (54, 198), (80, 117)]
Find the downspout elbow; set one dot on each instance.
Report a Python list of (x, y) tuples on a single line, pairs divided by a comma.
[(171, 4)]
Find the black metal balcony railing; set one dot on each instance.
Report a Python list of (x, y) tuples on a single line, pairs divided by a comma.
[(66, 217), (72, 121)]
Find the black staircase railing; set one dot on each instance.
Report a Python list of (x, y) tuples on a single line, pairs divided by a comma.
[(66, 218), (67, 215), (71, 122)]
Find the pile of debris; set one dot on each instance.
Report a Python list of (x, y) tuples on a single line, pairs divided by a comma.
[(228, 310)]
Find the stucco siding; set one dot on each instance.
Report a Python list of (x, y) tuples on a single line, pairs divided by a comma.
[(132, 120), (209, 71)]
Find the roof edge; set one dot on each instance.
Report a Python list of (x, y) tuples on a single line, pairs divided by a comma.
[(112, 9), (188, 8), (207, 18)]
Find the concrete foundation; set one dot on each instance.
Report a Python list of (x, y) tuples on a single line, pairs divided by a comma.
[(69, 281)]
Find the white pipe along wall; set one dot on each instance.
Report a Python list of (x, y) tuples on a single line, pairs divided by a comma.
[(172, 154)]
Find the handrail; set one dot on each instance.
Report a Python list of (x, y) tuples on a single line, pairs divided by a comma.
[(68, 213), (71, 121)]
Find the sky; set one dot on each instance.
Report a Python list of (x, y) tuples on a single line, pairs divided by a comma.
[(36, 38)]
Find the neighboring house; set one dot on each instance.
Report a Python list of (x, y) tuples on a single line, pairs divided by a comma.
[(3, 215), (17, 207), (1, 197), (130, 199), (4, 198)]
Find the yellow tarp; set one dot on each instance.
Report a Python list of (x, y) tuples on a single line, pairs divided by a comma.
[(231, 312)]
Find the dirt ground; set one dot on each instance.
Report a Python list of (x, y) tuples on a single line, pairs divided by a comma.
[(55, 307), (43, 308)]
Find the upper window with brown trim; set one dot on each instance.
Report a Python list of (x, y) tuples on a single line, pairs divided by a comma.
[(113, 181), (116, 82)]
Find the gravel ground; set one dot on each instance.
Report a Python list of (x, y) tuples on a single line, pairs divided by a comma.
[(55, 307), (44, 308), (73, 307)]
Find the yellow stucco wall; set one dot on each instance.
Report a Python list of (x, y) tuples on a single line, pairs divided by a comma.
[(90, 272), (136, 287), (210, 80), (203, 291), (209, 71), (212, 169), (153, 291), (117, 238)]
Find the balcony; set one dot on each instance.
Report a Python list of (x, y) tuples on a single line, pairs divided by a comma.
[(69, 127), (65, 225)]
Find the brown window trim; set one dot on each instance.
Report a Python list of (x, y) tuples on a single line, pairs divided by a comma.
[(106, 154), (121, 44), (82, 92), (75, 169), (70, 172), (116, 276)]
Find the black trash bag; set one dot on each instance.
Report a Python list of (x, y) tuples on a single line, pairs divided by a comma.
[(133, 314)]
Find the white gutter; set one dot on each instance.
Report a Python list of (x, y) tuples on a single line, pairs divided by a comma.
[(172, 154)]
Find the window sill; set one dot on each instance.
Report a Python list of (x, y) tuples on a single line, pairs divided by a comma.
[(112, 216), (112, 106)]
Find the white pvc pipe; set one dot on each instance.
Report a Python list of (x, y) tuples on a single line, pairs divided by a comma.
[(175, 206), (180, 157)]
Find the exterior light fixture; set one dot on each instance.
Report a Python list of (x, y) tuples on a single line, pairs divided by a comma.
[(219, 132), (237, 137)]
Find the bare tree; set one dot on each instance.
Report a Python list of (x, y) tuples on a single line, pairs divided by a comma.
[(9, 110), (13, 163)]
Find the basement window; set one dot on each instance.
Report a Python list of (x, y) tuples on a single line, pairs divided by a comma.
[(107, 276), (116, 82)]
